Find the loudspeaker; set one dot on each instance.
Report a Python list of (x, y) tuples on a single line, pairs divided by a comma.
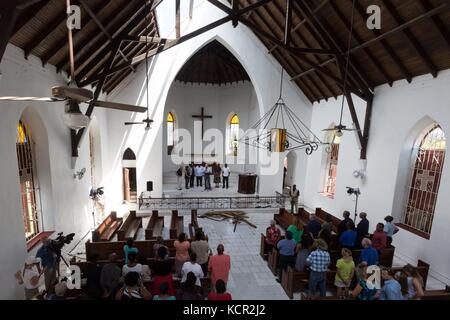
[(149, 185)]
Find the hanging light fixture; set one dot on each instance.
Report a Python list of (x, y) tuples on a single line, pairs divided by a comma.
[(281, 130)]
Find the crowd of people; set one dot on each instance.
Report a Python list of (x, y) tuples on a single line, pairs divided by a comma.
[(200, 176), (307, 248), (137, 279)]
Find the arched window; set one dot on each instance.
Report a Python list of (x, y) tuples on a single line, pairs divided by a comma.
[(329, 188), (425, 176), (27, 187), (234, 135), (170, 132)]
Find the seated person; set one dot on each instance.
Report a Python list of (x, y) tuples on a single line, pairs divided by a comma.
[(379, 237), (221, 292), (164, 293), (348, 238), (272, 236)]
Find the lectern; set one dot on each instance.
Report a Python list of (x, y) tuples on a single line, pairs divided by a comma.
[(247, 183)]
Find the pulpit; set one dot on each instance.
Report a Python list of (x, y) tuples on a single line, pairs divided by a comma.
[(247, 183)]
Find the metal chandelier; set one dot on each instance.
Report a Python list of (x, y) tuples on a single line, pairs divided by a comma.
[(280, 130)]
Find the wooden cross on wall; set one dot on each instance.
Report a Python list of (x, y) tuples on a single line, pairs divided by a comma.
[(202, 118)]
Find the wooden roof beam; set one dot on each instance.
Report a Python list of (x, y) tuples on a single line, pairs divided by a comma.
[(412, 39), (8, 17), (359, 40), (28, 14), (440, 26)]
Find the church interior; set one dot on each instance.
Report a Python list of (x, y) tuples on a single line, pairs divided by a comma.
[(241, 143)]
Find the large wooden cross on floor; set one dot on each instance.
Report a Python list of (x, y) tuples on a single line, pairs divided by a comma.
[(202, 118)]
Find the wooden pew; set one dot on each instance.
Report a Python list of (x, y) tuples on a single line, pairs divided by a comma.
[(106, 230), (284, 218), (129, 227), (323, 215), (154, 227), (436, 295), (104, 248), (176, 225), (194, 226)]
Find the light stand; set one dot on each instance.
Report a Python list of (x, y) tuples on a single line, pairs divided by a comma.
[(357, 193)]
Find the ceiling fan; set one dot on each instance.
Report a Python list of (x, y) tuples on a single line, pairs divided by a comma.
[(74, 96), (338, 129), (147, 121)]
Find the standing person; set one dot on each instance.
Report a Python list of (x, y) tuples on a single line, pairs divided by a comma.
[(273, 234), (219, 265), (207, 175), (193, 175), (296, 230), (303, 251), (345, 272), (132, 265), (390, 229), (202, 173), (29, 276), (133, 288), (412, 284), (318, 261), (179, 175), (92, 273), (379, 238), (188, 289), (362, 229), (342, 227), (129, 247), (226, 176), (187, 176), (182, 246), (110, 277), (362, 290), (391, 289), (286, 249), (49, 263), (194, 267), (294, 194), (221, 292), (368, 255), (162, 271), (198, 176), (201, 247), (217, 174), (164, 293), (348, 238), (314, 226)]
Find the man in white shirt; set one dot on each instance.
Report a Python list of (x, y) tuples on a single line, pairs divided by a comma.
[(225, 176), (199, 176), (294, 194), (29, 276), (194, 267)]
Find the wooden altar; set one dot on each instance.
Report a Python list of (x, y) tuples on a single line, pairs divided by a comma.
[(247, 183)]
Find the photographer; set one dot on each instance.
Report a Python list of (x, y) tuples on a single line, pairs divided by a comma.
[(49, 263)]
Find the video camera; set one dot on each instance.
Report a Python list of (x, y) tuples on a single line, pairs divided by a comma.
[(354, 191), (61, 240)]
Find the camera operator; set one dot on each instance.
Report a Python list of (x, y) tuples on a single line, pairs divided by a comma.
[(49, 263), (29, 276)]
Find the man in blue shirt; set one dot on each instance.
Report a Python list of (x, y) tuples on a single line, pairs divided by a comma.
[(48, 262), (368, 254), (314, 226), (391, 289), (286, 248), (348, 238)]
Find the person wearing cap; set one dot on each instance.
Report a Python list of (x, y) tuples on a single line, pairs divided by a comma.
[(318, 261), (273, 234), (29, 276)]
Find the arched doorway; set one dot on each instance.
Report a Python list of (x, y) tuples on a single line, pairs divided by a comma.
[(129, 176), (289, 170)]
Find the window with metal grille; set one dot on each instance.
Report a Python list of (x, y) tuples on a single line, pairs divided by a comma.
[(27, 186), (427, 161)]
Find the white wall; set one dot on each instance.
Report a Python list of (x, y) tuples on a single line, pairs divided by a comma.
[(185, 100), (65, 201), (264, 73), (396, 113)]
